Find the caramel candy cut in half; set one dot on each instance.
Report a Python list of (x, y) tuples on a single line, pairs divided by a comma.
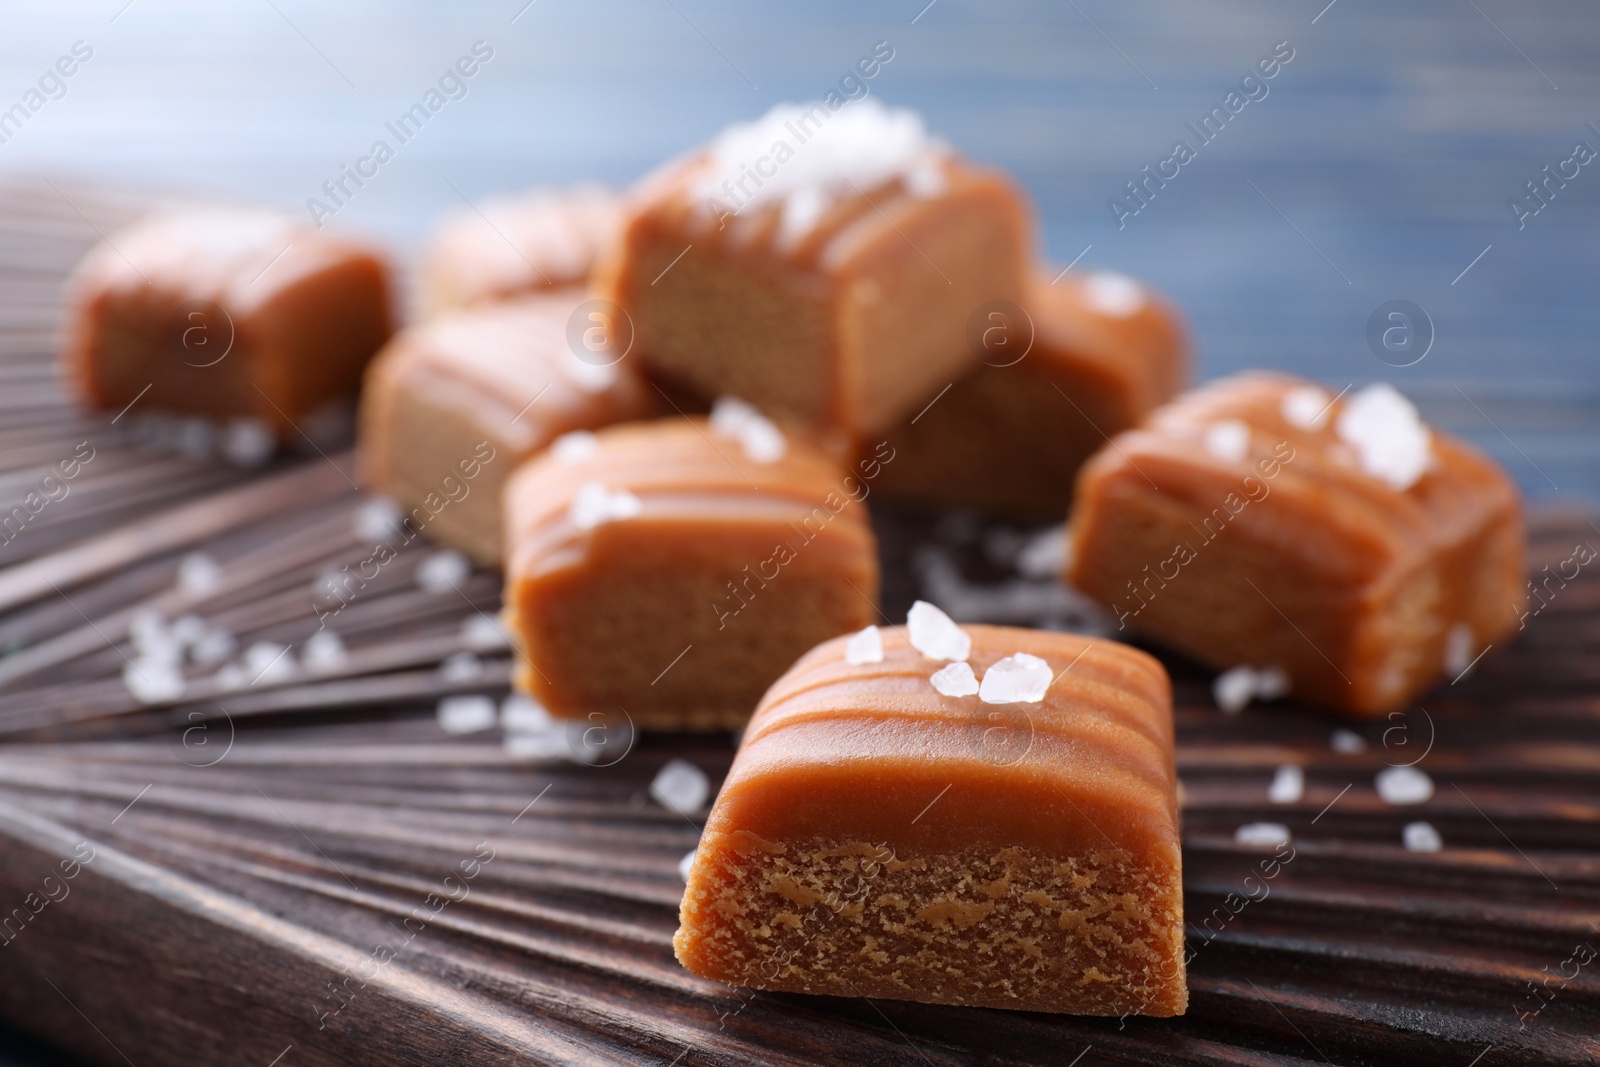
[(451, 406), (822, 265), (224, 312), (876, 837), (511, 246), (1262, 521), (1087, 355), (674, 571)]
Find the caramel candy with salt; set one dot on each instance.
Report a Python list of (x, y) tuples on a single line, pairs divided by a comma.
[(679, 567), (1263, 522), (453, 405), (1000, 831), (224, 312), (822, 266), (1088, 356), (512, 246)]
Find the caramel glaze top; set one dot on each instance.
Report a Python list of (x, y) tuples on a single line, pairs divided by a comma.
[(510, 367), (1325, 512), (835, 747), (685, 477)]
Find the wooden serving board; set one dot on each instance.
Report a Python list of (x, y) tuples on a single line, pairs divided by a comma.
[(309, 870)]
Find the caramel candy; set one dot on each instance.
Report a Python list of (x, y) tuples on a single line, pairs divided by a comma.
[(453, 405), (1261, 522), (1083, 358), (514, 245), (681, 566), (894, 827), (226, 312), (822, 265)]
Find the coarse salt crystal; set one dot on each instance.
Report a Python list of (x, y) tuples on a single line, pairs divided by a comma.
[(266, 663), (955, 680), (1017, 679), (864, 646), (758, 435), (460, 667), (324, 652), (1348, 742), (1233, 689), (1421, 837), (1288, 785), (1262, 834), (574, 447), (1114, 294), (377, 519), (248, 443), (187, 630), (199, 575), (1458, 650), (935, 634), (443, 571), (681, 786), (551, 744), (594, 505), (465, 714), (1391, 441), (485, 633), (1272, 683), (1228, 440), (1403, 785), (685, 865), (153, 681), (214, 646), (521, 714), (1045, 554), (926, 179), (1306, 407)]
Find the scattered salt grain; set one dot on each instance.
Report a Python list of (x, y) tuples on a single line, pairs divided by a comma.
[(1421, 837), (864, 646), (465, 714), (266, 663), (594, 504), (187, 630), (955, 680), (551, 744), (324, 653), (377, 519), (574, 447), (758, 435), (935, 634), (197, 438), (1348, 742), (1272, 683), (1114, 294), (1306, 407), (1403, 785), (248, 443), (460, 667), (1228, 440), (1233, 689), (1017, 679), (521, 714), (681, 786), (1262, 834), (926, 179), (1288, 785), (484, 633), (1391, 441), (214, 646), (153, 681), (199, 575), (230, 676), (1458, 650), (443, 571), (1045, 554), (685, 865)]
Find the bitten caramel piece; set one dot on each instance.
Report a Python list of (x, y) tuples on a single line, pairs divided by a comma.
[(679, 567), (453, 405), (821, 264), (513, 245), (896, 828), (226, 312), (1089, 356), (1262, 522)]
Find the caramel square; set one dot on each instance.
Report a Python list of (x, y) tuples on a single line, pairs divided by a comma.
[(224, 312), (676, 570), (1263, 522), (821, 265), (1086, 356), (453, 405), (999, 831)]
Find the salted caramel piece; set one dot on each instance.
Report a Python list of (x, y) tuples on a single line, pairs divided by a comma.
[(678, 568), (1263, 522), (451, 407), (999, 831), (820, 264), (225, 312), (1084, 357), (509, 246)]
